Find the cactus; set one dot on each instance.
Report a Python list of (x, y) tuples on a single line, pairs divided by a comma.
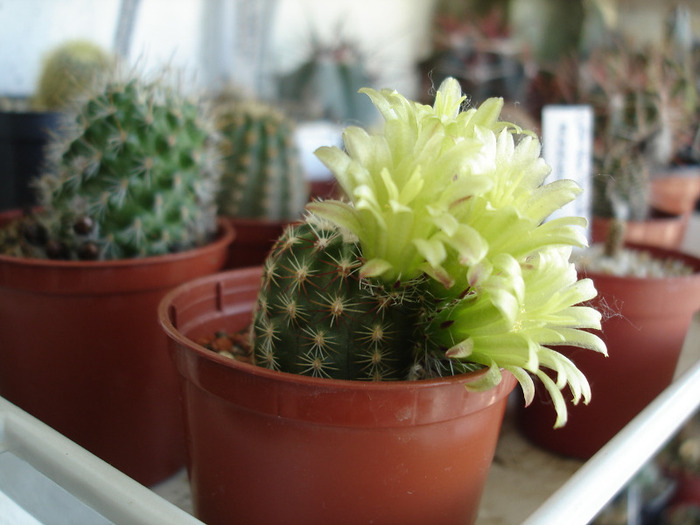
[(135, 174), (326, 84), (262, 175), (68, 71), (316, 316), (443, 253), (621, 184)]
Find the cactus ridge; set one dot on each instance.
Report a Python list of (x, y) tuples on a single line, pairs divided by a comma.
[(262, 175), (317, 316)]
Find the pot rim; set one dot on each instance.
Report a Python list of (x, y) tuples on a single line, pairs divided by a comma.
[(294, 397), (165, 318)]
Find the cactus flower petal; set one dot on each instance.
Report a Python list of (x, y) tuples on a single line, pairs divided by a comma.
[(374, 268)]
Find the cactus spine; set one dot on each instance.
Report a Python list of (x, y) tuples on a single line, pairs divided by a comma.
[(68, 71), (262, 175), (135, 174)]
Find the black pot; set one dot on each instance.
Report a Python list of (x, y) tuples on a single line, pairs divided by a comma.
[(23, 136)]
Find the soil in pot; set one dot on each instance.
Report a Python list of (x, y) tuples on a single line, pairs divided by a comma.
[(271, 447), (644, 326)]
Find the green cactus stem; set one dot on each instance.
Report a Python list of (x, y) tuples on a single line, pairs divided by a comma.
[(262, 175)]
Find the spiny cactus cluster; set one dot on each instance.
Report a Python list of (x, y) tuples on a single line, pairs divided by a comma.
[(316, 316), (68, 71), (262, 177), (134, 174), (446, 261)]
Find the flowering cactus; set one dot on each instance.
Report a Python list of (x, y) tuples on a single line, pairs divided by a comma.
[(459, 196)]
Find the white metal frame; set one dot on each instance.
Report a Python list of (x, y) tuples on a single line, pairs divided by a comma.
[(582, 497), (97, 484)]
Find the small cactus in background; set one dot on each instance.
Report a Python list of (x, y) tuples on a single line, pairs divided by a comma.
[(621, 184), (325, 85), (134, 174), (262, 173), (316, 316), (68, 71)]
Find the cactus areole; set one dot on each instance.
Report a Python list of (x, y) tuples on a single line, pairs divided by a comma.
[(445, 248)]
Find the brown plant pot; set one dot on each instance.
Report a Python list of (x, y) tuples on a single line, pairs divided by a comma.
[(271, 447), (645, 322), (662, 229), (254, 240), (255, 237), (677, 190), (82, 350)]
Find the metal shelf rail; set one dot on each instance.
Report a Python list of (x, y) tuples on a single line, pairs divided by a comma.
[(601, 477), (47, 478)]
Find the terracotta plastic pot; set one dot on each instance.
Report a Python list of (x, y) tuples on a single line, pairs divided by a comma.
[(676, 190), (82, 350), (254, 240), (662, 229), (644, 326), (267, 447)]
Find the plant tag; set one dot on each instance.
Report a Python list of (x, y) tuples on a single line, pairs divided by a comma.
[(567, 146)]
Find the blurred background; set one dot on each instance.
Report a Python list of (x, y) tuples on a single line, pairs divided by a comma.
[(401, 44), (311, 56)]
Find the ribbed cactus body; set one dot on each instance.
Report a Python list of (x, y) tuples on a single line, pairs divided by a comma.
[(315, 316), (68, 71), (263, 177), (135, 175)]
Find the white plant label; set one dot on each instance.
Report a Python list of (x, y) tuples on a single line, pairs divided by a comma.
[(567, 146)]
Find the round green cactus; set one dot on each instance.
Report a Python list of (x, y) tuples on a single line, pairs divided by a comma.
[(68, 71), (316, 316), (134, 174), (262, 175)]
